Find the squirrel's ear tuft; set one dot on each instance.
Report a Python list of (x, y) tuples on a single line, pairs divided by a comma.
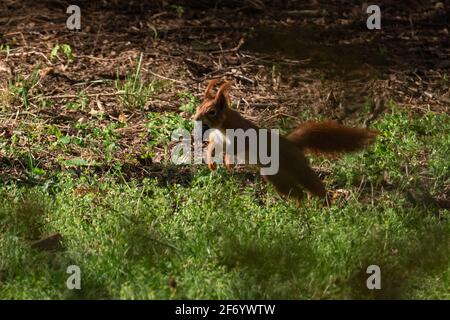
[(222, 95), (225, 87), (211, 85)]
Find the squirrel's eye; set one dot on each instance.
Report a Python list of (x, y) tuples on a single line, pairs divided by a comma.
[(212, 113)]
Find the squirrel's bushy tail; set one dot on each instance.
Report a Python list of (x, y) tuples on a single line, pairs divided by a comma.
[(331, 138)]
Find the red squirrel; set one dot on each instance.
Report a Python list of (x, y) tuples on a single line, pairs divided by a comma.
[(294, 173)]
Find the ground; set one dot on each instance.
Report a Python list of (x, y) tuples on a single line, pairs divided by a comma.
[(85, 124)]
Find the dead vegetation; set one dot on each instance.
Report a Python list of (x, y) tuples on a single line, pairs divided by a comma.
[(290, 60)]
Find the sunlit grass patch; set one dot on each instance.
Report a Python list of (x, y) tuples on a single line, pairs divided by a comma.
[(195, 234)]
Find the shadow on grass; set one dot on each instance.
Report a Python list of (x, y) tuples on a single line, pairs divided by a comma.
[(268, 270), (146, 244), (289, 268), (22, 221), (92, 288), (402, 262), (24, 217)]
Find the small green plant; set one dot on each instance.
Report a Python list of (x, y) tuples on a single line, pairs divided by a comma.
[(5, 48), (134, 92), (153, 30), (66, 50), (108, 137), (161, 126), (80, 103), (78, 162), (189, 102), (324, 12), (179, 10), (22, 87)]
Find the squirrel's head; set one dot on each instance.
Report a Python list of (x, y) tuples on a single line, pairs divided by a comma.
[(212, 111)]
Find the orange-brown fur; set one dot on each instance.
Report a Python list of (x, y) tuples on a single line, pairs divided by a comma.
[(294, 172), (330, 137)]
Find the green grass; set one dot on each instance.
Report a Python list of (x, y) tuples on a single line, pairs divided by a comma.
[(221, 235), (135, 91), (22, 86)]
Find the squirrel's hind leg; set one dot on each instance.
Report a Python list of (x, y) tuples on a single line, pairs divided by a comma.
[(286, 186), (310, 181)]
